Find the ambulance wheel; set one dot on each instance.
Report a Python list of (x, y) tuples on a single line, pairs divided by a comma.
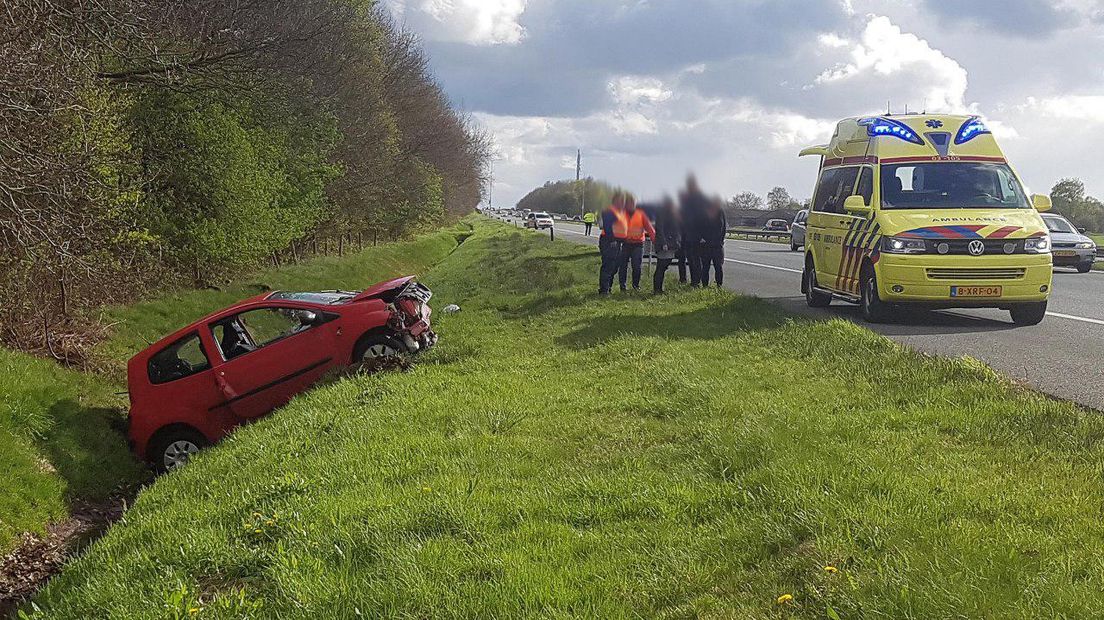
[(1084, 267), (1028, 314), (874, 310), (813, 297)]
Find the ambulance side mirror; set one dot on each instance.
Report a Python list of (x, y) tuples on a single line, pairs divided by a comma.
[(1041, 202), (856, 204)]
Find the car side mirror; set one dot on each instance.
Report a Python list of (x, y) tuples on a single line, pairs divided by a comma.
[(309, 319), (1041, 202), (1082, 230), (856, 204)]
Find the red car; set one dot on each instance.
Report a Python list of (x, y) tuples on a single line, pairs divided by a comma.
[(238, 364)]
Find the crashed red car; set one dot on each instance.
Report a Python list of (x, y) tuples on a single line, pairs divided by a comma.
[(194, 386)]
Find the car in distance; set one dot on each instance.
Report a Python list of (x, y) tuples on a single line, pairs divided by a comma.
[(1069, 246), (924, 209), (797, 230), (538, 220), (776, 225), (234, 366)]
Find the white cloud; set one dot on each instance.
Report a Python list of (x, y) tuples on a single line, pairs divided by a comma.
[(633, 90), (478, 22), (1072, 107), (885, 50)]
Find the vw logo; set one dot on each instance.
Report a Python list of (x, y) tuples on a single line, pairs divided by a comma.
[(976, 248)]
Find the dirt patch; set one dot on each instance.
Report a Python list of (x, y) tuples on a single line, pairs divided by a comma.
[(37, 558)]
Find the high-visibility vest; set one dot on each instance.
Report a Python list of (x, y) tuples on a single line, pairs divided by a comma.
[(620, 224), (635, 225), (588, 217), (617, 215)]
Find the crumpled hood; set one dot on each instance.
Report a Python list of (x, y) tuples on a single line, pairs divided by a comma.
[(383, 287), (962, 223)]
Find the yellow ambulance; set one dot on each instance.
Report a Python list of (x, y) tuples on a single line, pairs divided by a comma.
[(924, 209)]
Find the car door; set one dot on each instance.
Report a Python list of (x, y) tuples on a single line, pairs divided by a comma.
[(269, 354), (829, 226)]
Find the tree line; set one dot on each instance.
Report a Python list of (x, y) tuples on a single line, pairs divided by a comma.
[(154, 142), (1070, 200), (569, 197)]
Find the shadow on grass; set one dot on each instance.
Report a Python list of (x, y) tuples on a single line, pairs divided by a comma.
[(710, 323), (87, 447)]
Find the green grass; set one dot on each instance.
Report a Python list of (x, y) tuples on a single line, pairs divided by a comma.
[(57, 443), (696, 455), (60, 431)]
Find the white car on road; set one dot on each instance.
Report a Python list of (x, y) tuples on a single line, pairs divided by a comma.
[(539, 220)]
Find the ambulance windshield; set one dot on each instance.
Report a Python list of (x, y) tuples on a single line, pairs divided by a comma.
[(951, 185)]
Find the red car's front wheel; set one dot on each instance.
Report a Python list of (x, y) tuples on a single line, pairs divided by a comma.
[(378, 347)]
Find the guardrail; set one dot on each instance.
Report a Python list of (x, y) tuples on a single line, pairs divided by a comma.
[(751, 233)]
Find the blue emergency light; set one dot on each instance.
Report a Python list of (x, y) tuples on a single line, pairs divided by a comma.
[(880, 126), (971, 129)]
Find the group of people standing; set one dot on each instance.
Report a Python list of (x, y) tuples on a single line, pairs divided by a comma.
[(691, 233)]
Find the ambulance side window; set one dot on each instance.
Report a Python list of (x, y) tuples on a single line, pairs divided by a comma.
[(866, 185), (835, 185)]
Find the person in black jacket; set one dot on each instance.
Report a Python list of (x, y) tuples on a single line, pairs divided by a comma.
[(668, 241), (714, 230), (694, 204)]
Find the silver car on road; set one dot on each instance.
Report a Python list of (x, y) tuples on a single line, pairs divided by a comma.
[(1069, 247), (797, 230)]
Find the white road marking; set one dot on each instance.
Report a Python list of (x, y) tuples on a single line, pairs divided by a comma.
[(744, 262), (1076, 318)]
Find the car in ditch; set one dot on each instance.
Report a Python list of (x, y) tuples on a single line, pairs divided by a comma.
[(1069, 245), (231, 367)]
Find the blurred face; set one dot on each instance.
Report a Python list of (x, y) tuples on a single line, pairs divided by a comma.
[(630, 205)]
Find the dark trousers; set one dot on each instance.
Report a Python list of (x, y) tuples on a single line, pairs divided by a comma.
[(661, 270), (631, 254), (610, 249), (692, 253), (680, 256), (712, 257), (588, 226)]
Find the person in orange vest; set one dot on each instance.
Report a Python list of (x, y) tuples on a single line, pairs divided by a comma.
[(609, 246), (634, 227)]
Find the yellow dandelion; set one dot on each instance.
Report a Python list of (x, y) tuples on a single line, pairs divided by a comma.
[(785, 598), (257, 531), (831, 570), (426, 489), (193, 611)]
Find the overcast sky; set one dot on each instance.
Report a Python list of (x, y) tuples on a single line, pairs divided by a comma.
[(732, 89)]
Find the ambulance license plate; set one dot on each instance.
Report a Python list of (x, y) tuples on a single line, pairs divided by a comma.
[(976, 291), (1065, 253)]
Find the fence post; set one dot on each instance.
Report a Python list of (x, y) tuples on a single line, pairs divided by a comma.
[(552, 233)]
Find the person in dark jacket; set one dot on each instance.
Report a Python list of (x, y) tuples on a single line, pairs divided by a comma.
[(714, 230), (668, 241), (694, 204), (609, 246)]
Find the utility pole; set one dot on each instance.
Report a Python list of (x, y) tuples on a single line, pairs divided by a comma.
[(578, 177)]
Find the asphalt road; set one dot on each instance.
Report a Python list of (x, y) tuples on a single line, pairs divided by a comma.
[(1063, 355)]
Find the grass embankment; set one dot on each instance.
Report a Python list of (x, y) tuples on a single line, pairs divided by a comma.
[(558, 455), (57, 443), (60, 437)]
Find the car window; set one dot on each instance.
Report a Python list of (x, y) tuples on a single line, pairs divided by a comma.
[(183, 358), (255, 329), (834, 187), (866, 185), (951, 185), (1059, 225)]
